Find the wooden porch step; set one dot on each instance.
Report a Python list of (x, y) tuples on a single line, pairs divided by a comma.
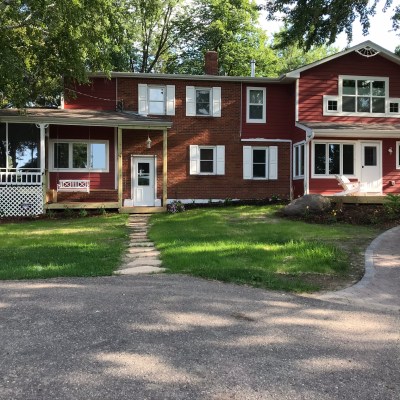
[(367, 199)]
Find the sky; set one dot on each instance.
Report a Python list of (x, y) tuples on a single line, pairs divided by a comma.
[(380, 31)]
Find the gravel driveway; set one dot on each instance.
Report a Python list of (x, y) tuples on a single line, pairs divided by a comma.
[(176, 337)]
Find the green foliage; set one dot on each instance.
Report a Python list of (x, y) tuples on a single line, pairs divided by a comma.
[(42, 42), (82, 213), (251, 245), (314, 23), (392, 205), (51, 248)]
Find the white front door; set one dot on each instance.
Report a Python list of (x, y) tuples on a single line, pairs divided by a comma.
[(143, 179), (371, 167)]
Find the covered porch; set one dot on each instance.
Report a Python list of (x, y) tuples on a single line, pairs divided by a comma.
[(71, 168)]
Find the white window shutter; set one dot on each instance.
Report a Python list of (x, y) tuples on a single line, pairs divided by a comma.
[(216, 106), (194, 160), (273, 162), (142, 99), (220, 160), (170, 99), (247, 164), (190, 101)]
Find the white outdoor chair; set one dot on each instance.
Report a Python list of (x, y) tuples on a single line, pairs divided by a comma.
[(350, 188)]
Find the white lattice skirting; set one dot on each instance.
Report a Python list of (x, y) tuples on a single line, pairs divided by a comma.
[(17, 201)]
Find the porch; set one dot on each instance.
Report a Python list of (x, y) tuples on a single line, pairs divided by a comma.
[(360, 199)]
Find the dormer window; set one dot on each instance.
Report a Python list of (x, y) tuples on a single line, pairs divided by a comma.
[(362, 96)]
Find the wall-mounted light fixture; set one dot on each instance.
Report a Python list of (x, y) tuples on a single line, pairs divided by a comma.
[(390, 150), (148, 142)]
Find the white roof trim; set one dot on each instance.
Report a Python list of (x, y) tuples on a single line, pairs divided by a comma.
[(383, 52), (351, 134)]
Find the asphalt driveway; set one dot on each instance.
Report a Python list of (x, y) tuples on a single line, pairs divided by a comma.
[(176, 337)]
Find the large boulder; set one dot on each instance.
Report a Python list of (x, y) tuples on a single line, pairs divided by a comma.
[(309, 203)]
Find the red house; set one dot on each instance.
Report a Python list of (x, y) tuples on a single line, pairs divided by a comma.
[(134, 141)]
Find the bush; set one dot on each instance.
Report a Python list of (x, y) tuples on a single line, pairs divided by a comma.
[(175, 207), (392, 205)]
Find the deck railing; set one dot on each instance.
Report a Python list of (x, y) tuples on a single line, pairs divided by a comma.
[(20, 178)]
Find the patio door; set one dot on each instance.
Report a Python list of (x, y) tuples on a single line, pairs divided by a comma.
[(371, 167), (143, 181)]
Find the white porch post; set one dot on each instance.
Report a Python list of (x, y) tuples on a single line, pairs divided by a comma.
[(120, 188), (43, 128)]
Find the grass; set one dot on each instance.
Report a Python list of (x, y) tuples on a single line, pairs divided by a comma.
[(53, 248), (251, 245)]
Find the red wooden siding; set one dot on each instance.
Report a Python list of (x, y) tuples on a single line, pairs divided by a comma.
[(323, 80), (99, 94), (280, 113), (98, 180)]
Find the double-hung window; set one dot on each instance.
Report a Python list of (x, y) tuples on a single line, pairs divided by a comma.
[(203, 102), (79, 156), (207, 160), (256, 105), (333, 159), (398, 155), (260, 162), (156, 99), (298, 160)]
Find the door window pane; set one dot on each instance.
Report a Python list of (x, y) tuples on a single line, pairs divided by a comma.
[(319, 159), (79, 155), (348, 159), (370, 156), (61, 155), (143, 174)]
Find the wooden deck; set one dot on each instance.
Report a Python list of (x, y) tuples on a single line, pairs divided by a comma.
[(142, 210), (365, 199), (106, 205)]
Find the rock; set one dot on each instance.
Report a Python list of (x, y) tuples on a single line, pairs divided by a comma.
[(309, 203)]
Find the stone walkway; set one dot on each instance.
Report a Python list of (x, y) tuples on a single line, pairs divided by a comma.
[(142, 257), (380, 286)]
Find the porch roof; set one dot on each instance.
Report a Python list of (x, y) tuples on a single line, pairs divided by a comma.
[(53, 116), (346, 130)]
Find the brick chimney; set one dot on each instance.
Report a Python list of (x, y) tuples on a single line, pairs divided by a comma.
[(211, 63)]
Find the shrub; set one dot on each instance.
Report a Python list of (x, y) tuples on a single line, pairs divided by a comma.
[(392, 205), (175, 207)]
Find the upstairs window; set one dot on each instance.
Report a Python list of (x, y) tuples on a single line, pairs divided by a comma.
[(79, 156), (203, 102), (156, 100), (362, 96), (256, 105)]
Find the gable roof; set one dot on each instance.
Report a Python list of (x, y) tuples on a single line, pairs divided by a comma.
[(367, 44)]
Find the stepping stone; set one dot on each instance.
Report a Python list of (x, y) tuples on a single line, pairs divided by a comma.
[(139, 250), (141, 254), (144, 261), (140, 270), (142, 244)]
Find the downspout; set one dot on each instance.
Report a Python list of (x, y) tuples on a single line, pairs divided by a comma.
[(309, 137)]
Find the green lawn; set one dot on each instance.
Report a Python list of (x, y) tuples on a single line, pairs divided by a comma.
[(71, 247), (251, 245)]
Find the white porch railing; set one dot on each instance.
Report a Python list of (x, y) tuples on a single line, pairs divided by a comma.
[(20, 178)]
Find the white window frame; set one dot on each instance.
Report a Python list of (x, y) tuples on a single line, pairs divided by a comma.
[(297, 161), (70, 142), (248, 105), (215, 101), (218, 160), (340, 95), (327, 143), (143, 99), (397, 155), (271, 162)]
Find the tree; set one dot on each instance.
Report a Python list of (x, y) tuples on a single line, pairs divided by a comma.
[(311, 22), (229, 27), (42, 41)]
